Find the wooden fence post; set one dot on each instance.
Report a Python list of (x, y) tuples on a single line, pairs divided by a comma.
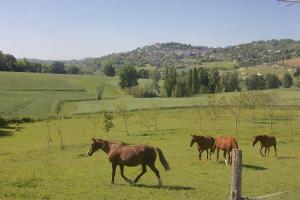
[(236, 173)]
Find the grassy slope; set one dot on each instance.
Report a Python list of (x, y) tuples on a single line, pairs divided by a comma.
[(30, 170), (46, 90), (286, 95)]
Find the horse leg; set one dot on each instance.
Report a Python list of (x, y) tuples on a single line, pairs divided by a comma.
[(113, 166), (200, 152), (155, 170), (261, 151), (122, 174), (268, 151), (224, 155), (265, 151), (275, 150), (144, 170), (229, 157), (218, 150), (207, 154)]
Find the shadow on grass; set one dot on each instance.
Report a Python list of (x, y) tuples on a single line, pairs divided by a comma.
[(166, 187), (285, 157), (255, 167), (4, 133)]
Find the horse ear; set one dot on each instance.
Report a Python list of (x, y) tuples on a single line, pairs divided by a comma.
[(93, 139)]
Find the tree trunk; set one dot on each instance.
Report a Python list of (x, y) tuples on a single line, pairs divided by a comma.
[(125, 121)]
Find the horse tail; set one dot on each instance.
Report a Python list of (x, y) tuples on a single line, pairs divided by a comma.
[(162, 159)]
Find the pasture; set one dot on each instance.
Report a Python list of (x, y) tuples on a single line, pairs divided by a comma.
[(38, 95), (29, 169)]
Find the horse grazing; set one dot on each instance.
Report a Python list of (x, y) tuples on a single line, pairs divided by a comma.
[(265, 142), (204, 143), (226, 144), (130, 155)]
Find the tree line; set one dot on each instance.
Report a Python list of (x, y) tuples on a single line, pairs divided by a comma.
[(9, 63), (200, 81)]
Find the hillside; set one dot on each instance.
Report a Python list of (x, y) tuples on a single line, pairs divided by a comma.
[(39, 95), (183, 55)]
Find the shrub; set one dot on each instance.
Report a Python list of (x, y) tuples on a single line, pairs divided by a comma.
[(3, 122)]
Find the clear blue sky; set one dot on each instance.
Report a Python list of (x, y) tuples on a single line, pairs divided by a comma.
[(65, 29)]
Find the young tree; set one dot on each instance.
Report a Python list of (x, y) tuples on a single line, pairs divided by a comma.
[(155, 114), (107, 122), (271, 102), (100, 90), (146, 121), (199, 114), (290, 115), (128, 77), (49, 139), (213, 109), (287, 80), (94, 120), (121, 111), (235, 106), (57, 125), (250, 100)]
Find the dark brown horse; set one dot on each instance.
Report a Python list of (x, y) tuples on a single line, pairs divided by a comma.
[(265, 142), (130, 155), (204, 143), (226, 144)]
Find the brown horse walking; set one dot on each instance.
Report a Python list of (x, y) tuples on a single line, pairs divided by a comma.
[(204, 143), (265, 142), (130, 155), (226, 144)]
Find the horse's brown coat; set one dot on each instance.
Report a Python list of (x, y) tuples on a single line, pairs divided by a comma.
[(226, 144), (130, 155), (265, 142), (204, 143)]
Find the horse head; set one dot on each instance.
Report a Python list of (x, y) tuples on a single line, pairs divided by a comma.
[(97, 144), (255, 140), (193, 140)]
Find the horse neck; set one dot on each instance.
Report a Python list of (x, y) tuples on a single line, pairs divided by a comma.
[(106, 148)]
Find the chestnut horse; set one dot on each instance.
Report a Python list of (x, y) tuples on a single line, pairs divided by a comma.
[(204, 143), (265, 142), (130, 155), (226, 144)]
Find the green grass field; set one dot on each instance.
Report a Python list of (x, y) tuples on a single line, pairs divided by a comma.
[(31, 170), (43, 92)]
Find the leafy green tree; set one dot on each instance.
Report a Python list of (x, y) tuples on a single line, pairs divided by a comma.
[(121, 111), (57, 68), (108, 69), (155, 76), (182, 88), (107, 122), (214, 81), (272, 81), (72, 69), (196, 83), (255, 82), (143, 73), (170, 80), (128, 77), (287, 80)]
